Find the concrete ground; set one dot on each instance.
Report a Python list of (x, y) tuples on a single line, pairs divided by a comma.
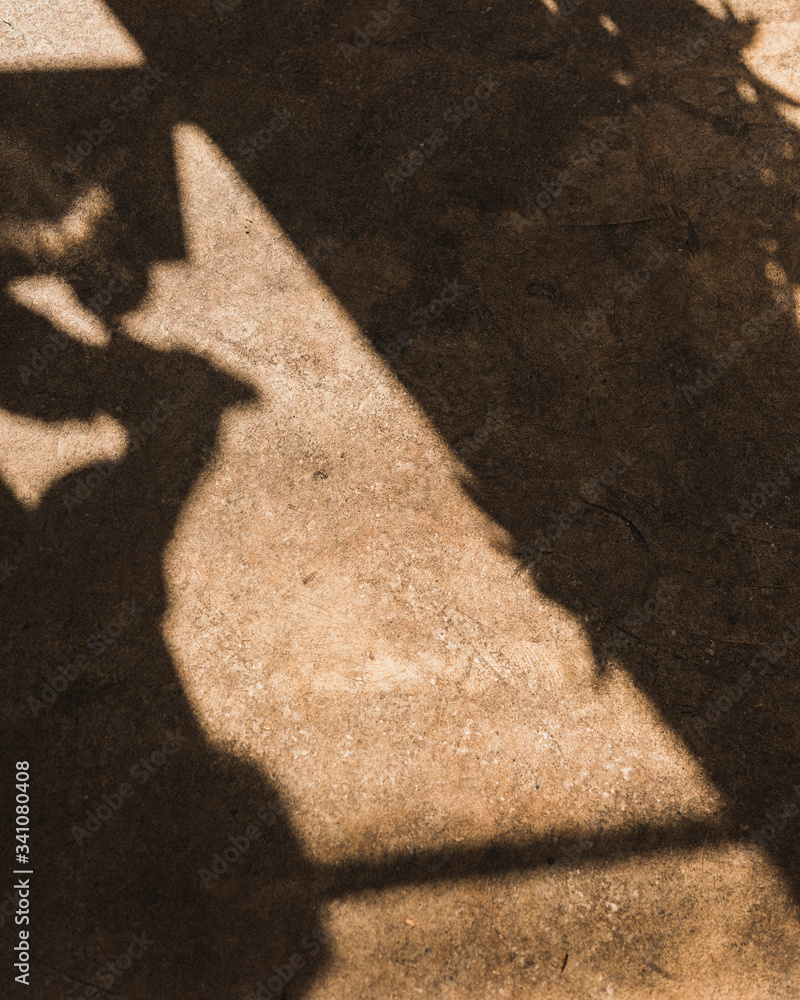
[(399, 485)]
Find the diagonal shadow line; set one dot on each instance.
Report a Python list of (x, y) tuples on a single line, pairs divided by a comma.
[(460, 863)]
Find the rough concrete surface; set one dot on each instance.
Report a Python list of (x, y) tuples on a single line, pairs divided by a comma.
[(399, 486)]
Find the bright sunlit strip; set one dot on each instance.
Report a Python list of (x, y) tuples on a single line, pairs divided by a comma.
[(64, 34), (55, 299), (35, 455)]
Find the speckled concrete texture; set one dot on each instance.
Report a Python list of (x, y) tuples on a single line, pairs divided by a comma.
[(399, 487)]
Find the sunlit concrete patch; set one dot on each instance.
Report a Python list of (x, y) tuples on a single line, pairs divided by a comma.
[(609, 24), (391, 764), (772, 54), (35, 455), (55, 300), (591, 931), (343, 614), (351, 617), (246, 289), (64, 34)]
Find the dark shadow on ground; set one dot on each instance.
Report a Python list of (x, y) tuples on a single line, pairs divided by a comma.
[(642, 450)]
